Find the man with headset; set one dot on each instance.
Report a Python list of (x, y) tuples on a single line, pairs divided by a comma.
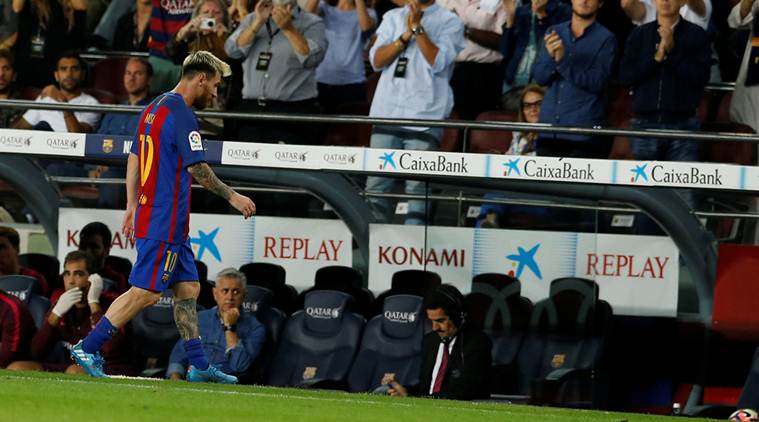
[(455, 357)]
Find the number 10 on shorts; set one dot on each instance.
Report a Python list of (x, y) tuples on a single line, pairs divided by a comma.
[(171, 261)]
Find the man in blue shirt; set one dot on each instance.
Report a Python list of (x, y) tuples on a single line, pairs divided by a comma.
[(415, 50), (232, 338), (666, 62), (521, 40), (575, 64), (137, 76)]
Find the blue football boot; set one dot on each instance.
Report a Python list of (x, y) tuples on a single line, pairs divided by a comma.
[(92, 364), (211, 374)]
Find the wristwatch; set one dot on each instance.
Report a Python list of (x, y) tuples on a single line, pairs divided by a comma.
[(232, 328), (418, 30)]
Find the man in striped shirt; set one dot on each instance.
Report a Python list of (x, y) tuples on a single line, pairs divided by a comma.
[(166, 150)]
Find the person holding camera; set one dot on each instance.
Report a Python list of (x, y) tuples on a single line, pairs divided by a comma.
[(207, 30), (281, 45)]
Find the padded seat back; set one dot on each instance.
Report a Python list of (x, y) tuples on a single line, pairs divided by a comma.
[(319, 342), (23, 288), (392, 344), (257, 302)]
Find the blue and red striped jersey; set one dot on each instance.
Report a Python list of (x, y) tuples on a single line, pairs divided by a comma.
[(166, 19), (166, 143)]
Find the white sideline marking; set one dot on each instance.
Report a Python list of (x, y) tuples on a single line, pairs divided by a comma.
[(504, 411)]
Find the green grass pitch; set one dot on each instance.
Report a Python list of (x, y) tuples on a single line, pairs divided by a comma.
[(27, 396)]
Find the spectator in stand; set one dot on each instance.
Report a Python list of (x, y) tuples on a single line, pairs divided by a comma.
[(133, 28), (9, 264), (167, 18), (200, 33), (232, 338), (640, 12), (522, 39), (575, 65), (69, 74), (47, 27), (478, 76), (137, 75), (415, 49), (75, 311), (666, 63), (95, 239), (16, 329), (341, 77), (281, 45), (8, 25), (522, 143), (8, 91), (744, 106), (207, 30)]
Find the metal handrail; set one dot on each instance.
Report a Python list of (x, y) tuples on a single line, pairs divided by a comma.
[(438, 197), (457, 124)]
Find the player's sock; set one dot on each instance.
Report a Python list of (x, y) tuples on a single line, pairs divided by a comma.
[(102, 332), (193, 349)]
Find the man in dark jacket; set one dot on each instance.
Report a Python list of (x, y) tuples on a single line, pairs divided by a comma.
[(521, 41), (666, 62), (455, 358)]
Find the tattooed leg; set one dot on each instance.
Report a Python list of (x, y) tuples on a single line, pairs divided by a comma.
[(186, 318)]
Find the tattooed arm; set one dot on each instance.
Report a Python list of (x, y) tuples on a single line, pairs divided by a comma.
[(203, 173)]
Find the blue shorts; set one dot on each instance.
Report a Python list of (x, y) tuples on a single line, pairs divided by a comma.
[(160, 264)]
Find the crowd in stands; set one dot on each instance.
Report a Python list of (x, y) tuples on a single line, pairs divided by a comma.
[(638, 63)]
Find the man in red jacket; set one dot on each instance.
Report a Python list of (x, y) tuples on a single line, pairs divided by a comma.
[(16, 329), (75, 312)]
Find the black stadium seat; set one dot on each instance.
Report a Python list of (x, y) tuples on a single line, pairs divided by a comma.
[(258, 303), (318, 344), (343, 279), (47, 265), (496, 306), (23, 288), (155, 334), (408, 282), (272, 276), (563, 359), (392, 344)]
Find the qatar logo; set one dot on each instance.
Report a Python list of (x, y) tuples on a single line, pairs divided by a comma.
[(15, 141), (290, 156), (243, 154), (524, 259), (61, 143), (250, 306), (323, 313), (341, 159), (400, 317)]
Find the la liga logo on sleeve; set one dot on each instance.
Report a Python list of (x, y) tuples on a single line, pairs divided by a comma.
[(196, 143)]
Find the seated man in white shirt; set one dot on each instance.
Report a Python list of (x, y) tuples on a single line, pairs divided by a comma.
[(69, 73)]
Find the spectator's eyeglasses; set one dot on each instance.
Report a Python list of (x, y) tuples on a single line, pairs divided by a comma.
[(535, 104)]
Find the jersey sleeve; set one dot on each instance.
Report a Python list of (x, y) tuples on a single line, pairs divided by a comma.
[(188, 140)]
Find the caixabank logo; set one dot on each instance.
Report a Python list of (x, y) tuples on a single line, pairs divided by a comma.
[(429, 163), (524, 259), (206, 242), (691, 175), (555, 170)]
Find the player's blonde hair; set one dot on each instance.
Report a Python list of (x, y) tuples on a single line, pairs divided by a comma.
[(206, 62)]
